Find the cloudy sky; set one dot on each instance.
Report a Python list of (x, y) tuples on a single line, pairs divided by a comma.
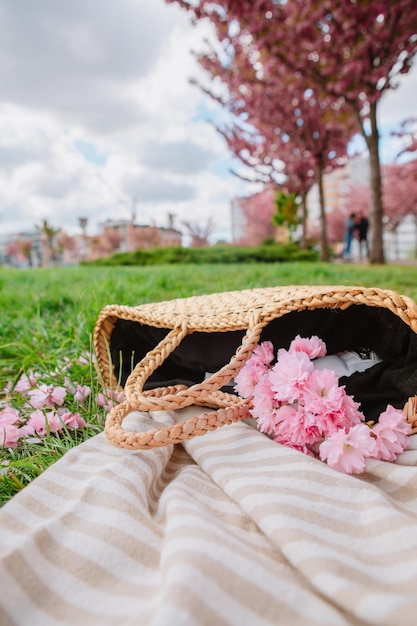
[(98, 118)]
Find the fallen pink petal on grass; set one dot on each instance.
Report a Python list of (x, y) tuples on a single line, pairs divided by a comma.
[(47, 396)]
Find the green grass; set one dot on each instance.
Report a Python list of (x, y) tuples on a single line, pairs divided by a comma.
[(47, 317)]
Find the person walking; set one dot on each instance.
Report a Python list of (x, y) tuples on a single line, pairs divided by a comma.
[(350, 225), (362, 226)]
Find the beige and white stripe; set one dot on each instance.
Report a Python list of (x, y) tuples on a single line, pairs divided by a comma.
[(228, 528)]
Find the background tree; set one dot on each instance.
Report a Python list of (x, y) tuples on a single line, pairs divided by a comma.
[(49, 233), (352, 50), (199, 233), (275, 118), (147, 237), (12, 252), (83, 221), (25, 249), (287, 213), (112, 240), (67, 245), (258, 210)]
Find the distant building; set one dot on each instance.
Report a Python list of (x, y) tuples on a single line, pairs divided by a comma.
[(126, 235), (32, 248), (239, 222), (335, 185), (23, 249)]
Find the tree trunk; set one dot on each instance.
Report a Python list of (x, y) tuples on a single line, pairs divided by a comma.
[(324, 246), (377, 209), (303, 242)]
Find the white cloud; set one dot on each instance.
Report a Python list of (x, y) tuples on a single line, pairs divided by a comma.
[(400, 103), (98, 117), (81, 78)]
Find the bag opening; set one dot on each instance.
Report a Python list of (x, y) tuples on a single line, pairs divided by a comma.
[(358, 327)]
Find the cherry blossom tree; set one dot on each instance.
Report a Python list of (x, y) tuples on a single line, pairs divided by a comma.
[(278, 125), (350, 50), (258, 210), (12, 251), (67, 245), (49, 233), (279, 164)]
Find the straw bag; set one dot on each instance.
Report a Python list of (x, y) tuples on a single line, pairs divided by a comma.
[(173, 354)]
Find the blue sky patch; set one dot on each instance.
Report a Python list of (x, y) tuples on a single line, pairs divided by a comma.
[(90, 152)]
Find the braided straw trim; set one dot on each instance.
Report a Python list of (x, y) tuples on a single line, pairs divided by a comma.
[(410, 413), (101, 341), (145, 368), (199, 394), (229, 407), (193, 427)]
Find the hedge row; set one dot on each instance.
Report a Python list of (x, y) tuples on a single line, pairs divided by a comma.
[(275, 253)]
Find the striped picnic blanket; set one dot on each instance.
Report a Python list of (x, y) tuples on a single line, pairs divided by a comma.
[(229, 528)]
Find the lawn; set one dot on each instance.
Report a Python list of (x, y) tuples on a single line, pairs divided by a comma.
[(47, 318)]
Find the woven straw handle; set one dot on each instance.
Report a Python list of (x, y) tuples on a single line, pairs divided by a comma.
[(230, 408)]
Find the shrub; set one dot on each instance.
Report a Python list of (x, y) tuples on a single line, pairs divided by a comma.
[(266, 253)]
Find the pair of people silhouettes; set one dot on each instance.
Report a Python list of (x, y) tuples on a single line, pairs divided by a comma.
[(356, 227)]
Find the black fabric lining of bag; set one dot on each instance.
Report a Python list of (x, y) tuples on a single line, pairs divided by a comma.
[(359, 327)]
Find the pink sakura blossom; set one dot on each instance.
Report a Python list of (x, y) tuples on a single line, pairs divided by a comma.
[(73, 420), (81, 394), (352, 414), (321, 393), (295, 427), (9, 435), (263, 398), (263, 354), (39, 423), (247, 379), (306, 409), (87, 358), (9, 415), (69, 386), (47, 396), (391, 434), (289, 374), (346, 450), (263, 405), (313, 347), (110, 398), (254, 369), (54, 422), (26, 382)]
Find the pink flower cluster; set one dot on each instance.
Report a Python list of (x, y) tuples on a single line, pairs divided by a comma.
[(42, 413), (307, 409), (43, 409)]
